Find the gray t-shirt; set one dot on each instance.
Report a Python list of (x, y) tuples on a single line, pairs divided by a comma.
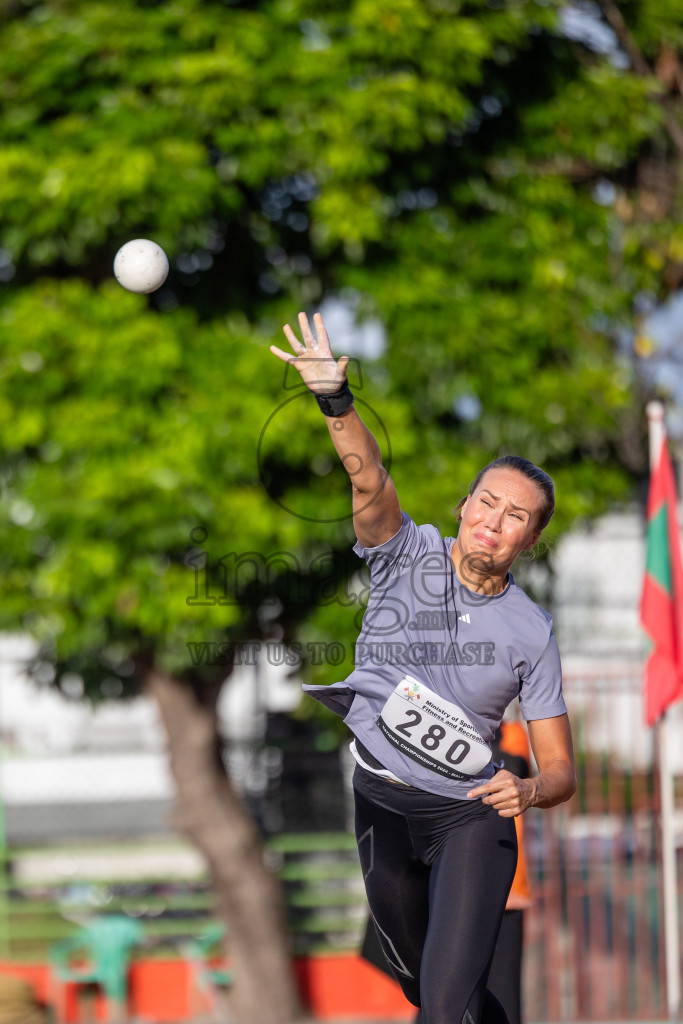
[(437, 665)]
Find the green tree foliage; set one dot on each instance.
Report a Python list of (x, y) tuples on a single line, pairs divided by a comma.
[(495, 191), (463, 171)]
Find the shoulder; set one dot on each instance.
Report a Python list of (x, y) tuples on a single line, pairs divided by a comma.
[(409, 536), (529, 631), (521, 604), (514, 609)]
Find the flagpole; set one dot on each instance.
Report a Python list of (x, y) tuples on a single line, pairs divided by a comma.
[(657, 435)]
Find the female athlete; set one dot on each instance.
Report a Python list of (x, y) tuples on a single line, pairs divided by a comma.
[(448, 640)]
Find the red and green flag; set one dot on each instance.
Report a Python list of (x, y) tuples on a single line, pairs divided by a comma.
[(661, 606)]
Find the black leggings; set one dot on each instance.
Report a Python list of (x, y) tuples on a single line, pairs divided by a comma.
[(437, 875), (505, 978)]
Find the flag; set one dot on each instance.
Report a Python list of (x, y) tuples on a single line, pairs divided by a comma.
[(661, 606)]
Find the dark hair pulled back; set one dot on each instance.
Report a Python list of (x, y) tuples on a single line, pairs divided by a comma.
[(531, 472)]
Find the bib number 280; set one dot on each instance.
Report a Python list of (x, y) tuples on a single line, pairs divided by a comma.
[(430, 737), (433, 731)]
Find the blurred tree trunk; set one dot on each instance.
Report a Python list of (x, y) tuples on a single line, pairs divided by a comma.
[(211, 814)]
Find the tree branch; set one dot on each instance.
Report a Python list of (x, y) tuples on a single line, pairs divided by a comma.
[(623, 34), (616, 21)]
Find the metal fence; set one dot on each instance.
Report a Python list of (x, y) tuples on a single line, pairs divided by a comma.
[(594, 943)]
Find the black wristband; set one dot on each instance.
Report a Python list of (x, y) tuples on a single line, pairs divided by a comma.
[(336, 402)]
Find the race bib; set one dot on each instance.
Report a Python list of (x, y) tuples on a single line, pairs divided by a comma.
[(433, 731)]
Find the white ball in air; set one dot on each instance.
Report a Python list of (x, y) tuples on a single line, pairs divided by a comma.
[(141, 266)]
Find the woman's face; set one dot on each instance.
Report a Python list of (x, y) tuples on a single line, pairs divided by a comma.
[(498, 520)]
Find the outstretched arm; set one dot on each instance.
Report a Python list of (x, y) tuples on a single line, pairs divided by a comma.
[(376, 509), (551, 742)]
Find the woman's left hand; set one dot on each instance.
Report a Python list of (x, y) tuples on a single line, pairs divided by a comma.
[(551, 742), (506, 793)]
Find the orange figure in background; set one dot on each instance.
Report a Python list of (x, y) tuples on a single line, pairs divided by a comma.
[(511, 745)]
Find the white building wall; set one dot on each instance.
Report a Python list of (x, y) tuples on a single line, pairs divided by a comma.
[(598, 583)]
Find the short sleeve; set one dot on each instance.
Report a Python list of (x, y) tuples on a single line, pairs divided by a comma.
[(402, 551), (540, 695)]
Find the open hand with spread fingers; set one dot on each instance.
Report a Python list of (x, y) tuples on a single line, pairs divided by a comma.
[(319, 370)]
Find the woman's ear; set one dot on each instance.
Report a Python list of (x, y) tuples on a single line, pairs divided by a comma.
[(459, 508)]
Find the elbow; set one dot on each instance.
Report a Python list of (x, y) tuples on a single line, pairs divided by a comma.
[(570, 786), (370, 480)]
